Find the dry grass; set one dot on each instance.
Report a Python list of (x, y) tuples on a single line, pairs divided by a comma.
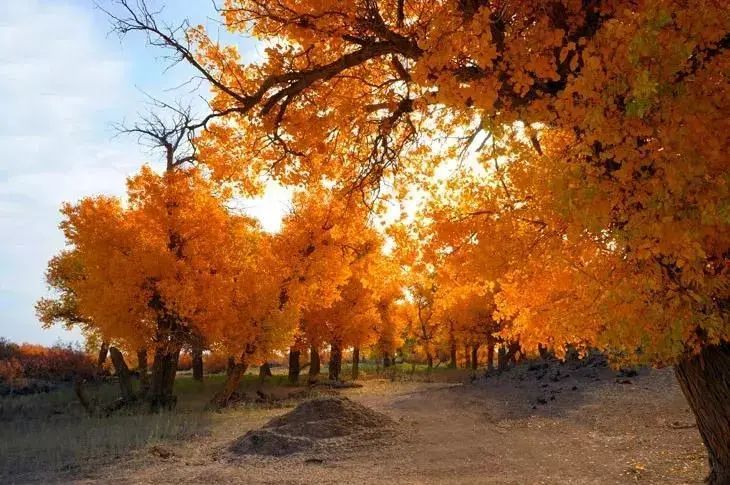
[(583, 426), (51, 433)]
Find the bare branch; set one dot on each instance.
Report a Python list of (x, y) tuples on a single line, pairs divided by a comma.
[(171, 132)]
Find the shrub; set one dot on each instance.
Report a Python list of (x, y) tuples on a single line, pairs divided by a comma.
[(10, 370), (55, 363), (8, 350)]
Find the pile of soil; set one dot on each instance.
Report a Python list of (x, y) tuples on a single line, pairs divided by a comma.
[(316, 425)]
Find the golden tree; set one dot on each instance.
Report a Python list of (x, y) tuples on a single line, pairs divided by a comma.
[(633, 98), (170, 264), (63, 270)]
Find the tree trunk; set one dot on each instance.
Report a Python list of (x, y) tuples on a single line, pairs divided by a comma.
[(171, 374), (467, 357), (474, 356), (294, 365), (103, 352), (502, 358), (233, 381), (452, 346), (513, 350), (335, 364), (164, 369), (355, 363), (387, 362), (122, 372), (705, 382), (452, 358), (314, 363), (543, 350), (198, 362), (88, 405), (429, 361), (490, 354), (264, 372), (231, 365), (142, 370)]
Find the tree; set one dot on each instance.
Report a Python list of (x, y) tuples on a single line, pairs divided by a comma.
[(259, 321), (623, 92), (62, 270), (420, 312), (466, 312), (388, 327), (145, 287), (330, 253)]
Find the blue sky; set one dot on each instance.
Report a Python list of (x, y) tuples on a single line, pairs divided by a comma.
[(63, 81)]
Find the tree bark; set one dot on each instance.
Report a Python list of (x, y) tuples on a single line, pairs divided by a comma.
[(335, 364), (512, 351), (122, 372), (429, 361), (502, 358), (231, 365), (452, 346), (314, 363), (233, 381), (467, 357), (164, 369), (355, 363), (387, 362), (474, 356), (490, 353), (103, 352), (264, 372), (294, 365), (143, 369), (705, 382), (87, 403), (169, 335), (197, 362), (171, 374)]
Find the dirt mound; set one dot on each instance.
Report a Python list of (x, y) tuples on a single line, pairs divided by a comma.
[(315, 425), (265, 442)]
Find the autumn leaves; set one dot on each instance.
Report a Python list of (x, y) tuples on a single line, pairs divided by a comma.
[(592, 220), (586, 205), (597, 223)]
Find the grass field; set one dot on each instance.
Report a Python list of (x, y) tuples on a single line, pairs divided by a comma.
[(51, 431), (585, 427), (47, 432)]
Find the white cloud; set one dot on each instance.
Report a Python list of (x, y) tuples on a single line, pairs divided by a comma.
[(62, 82), (58, 84), (54, 75)]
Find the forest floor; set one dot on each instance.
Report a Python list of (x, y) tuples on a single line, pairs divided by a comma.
[(557, 425)]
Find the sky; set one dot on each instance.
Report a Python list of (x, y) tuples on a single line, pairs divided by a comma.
[(64, 81)]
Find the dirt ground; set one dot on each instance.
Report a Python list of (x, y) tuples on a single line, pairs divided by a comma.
[(580, 426)]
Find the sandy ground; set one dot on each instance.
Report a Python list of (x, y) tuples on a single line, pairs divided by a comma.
[(583, 426)]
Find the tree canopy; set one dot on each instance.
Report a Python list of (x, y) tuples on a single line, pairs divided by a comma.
[(560, 169)]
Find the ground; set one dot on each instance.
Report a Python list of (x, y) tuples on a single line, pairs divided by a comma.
[(531, 425)]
